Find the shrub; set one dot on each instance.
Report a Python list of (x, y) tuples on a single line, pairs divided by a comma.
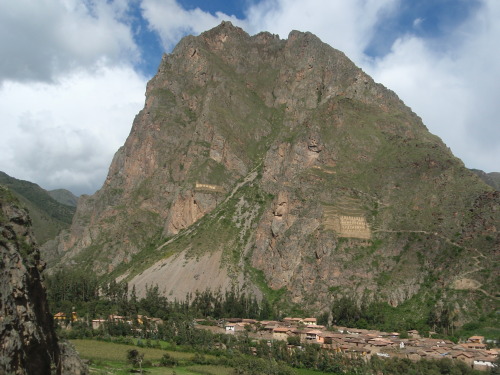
[(168, 361), (293, 340)]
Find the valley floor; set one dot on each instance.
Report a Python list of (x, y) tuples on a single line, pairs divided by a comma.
[(110, 358)]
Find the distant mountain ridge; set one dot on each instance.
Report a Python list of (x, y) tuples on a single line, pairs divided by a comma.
[(279, 167), (48, 215), (492, 178), (64, 196)]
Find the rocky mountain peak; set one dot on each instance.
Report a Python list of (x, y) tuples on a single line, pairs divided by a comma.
[(276, 165), (224, 31)]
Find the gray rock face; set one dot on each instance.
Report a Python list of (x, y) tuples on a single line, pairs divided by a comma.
[(71, 363), (28, 343)]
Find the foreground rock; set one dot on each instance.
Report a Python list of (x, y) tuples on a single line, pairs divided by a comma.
[(28, 343)]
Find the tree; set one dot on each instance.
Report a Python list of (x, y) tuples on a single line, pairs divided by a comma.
[(346, 312), (133, 303), (293, 340), (266, 309), (135, 358), (324, 318), (153, 304)]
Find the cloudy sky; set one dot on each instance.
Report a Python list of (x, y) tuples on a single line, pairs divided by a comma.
[(73, 72)]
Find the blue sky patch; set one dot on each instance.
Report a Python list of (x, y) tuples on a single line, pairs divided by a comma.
[(429, 19), (231, 8)]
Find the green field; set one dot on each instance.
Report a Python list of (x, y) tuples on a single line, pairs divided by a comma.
[(110, 358)]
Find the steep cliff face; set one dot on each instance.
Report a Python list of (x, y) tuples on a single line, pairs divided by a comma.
[(262, 162), (28, 343)]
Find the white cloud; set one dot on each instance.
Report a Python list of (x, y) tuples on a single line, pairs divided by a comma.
[(417, 22), (345, 25), (172, 22), (68, 92), (65, 134), (44, 38), (453, 84)]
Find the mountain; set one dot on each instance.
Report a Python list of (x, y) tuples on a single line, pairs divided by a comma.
[(64, 196), (28, 342), (49, 216), (492, 179), (280, 167)]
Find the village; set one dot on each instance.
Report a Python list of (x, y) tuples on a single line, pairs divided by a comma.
[(348, 341), (362, 342)]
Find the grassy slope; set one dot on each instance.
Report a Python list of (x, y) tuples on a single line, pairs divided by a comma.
[(64, 196), (492, 179), (110, 358), (49, 217)]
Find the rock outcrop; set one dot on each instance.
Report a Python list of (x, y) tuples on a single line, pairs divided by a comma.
[(293, 167), (28, 343)]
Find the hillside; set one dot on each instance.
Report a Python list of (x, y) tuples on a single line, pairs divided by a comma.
[(279, 167), (492, 178), (48, 215), (64, 196)]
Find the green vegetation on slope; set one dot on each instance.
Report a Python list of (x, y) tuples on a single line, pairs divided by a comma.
[(492, 179), (64, 196), (48, 216)]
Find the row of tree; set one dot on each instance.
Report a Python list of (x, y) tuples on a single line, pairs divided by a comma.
[(348, 312), (75, 290)]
